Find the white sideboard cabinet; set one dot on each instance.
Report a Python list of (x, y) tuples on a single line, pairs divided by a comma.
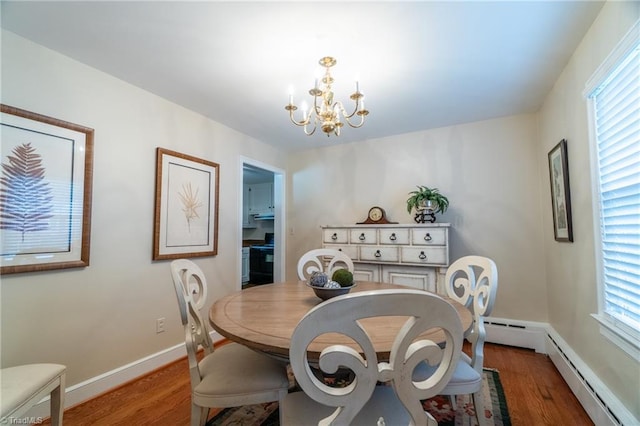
[(411, 255)]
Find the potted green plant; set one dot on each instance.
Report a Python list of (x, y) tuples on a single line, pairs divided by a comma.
[(426, 202)]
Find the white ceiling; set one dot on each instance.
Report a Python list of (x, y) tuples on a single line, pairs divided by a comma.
[(421, 65)]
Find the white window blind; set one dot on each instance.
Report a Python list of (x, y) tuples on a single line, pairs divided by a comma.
[(616, 120)]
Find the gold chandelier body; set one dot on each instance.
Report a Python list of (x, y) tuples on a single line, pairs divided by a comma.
[(326, 113)]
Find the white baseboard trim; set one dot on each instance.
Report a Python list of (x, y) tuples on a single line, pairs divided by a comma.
[(595, 397), (98, 385)]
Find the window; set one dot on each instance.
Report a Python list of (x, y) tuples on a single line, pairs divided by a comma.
[(614, 99)]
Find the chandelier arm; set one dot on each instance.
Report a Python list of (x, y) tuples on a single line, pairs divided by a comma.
[(355, 126), (298, 123), (315, 122)]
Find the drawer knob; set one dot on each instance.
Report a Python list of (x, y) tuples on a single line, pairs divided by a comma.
[(378, 254), (422, 256), (428, 237), (334, 236), (362, 237), (393, 237)]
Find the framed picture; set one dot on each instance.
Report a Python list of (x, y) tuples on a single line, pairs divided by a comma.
[(186, 211), (45, 192), (560, 195)]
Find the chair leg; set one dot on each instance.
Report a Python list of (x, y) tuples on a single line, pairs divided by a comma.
[(198, 417), (57, 403), (452, 400), (283, 393), (478, 405)]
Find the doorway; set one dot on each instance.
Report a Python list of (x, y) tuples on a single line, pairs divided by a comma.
[(262, 223)]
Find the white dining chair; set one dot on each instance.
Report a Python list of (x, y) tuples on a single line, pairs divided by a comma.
[(23, 386), (230, 375), (365, 401), (473, 282), (323, 260)]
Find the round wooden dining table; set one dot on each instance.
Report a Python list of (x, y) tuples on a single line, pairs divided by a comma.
[(264, 317)]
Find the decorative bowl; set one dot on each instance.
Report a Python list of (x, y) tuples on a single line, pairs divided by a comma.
[(325, 293)]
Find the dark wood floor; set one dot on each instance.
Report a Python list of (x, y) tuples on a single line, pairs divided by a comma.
[(535, 392)]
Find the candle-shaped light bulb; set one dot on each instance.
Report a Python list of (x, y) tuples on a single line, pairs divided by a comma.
[(304, 110), (290, 99), (357, 86)]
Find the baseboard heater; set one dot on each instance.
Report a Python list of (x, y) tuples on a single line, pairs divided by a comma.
[(522, 334), (598, 401)]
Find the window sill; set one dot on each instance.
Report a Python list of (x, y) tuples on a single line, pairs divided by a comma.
[(619, 337)]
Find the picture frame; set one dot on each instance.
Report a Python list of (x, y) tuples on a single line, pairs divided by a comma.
[(46, 180), (560, 192), (186, 206)]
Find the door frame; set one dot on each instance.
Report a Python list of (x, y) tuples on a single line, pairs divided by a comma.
[(279, 224)]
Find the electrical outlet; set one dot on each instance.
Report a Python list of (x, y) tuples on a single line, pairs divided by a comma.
[(160, 325)]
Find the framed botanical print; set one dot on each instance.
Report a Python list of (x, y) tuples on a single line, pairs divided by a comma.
[(186, 207), (45, 192), (560, 194)]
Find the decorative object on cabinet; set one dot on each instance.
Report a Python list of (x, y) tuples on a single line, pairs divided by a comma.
[(376, 215), (412, 255), (45, 192), (560, 195), (186, 208), (426, 202), (324, 110)]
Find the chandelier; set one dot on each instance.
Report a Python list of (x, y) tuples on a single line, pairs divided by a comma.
[(325, 112)]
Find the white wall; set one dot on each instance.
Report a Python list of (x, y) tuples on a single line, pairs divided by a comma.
[(571, 275), (489, 172), (102, 317)]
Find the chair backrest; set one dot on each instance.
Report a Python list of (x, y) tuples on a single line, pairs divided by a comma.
[(424, 311), (191, 291), (473, 281), (324, 260)]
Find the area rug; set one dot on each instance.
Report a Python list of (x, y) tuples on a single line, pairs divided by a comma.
[(439, 407)]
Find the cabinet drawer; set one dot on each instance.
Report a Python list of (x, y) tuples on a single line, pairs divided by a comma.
[(394, 236), (379, 254), (425, 255), (363, 236), (429, 237), (335, 236), (351, 251)]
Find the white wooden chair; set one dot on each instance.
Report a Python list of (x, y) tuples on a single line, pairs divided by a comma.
[(324, 260), (472, 281), (231, 375), (24, 386), (364, 401)]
